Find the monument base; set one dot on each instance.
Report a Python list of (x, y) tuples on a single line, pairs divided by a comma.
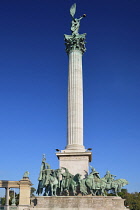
[(78, 203), (75, 162)]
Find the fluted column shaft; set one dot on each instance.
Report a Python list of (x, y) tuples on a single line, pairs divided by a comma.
[(75, 101)]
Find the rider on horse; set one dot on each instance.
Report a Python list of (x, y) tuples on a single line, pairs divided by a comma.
[(109, 177)]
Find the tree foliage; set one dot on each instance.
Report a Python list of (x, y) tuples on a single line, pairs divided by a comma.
[(3, 201), (132, 200)]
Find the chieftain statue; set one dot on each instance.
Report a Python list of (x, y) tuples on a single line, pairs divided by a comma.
[(62, 182)]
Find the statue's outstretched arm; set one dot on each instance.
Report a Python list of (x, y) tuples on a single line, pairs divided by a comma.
[(84, 15), (80, 18)]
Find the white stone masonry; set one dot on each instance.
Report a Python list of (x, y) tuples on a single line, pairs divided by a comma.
[(75, 102)]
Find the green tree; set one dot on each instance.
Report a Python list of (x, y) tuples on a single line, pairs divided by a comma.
[(3, 201), (132, 200)]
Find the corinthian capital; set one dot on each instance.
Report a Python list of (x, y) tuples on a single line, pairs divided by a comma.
[(75, 42)]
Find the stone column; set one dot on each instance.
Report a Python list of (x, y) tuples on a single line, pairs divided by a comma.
[(7, 196), (75, 157), (75, 47)]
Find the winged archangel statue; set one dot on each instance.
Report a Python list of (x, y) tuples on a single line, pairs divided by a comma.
[(75, 24)]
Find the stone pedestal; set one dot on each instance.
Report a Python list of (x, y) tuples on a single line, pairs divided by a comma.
[(25, 188), (75, 162), (78, 203)]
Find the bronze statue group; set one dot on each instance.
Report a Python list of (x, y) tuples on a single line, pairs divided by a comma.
[(61, 182)]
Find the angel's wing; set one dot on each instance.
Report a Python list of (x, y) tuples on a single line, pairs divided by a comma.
[(73, 10)]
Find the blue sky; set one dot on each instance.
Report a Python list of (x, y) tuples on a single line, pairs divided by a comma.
[(33, 85)]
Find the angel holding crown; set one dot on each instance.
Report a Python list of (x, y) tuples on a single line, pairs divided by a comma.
[(75, 24)]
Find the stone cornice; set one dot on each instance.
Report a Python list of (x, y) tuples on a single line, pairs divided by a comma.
[(74, 154)]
